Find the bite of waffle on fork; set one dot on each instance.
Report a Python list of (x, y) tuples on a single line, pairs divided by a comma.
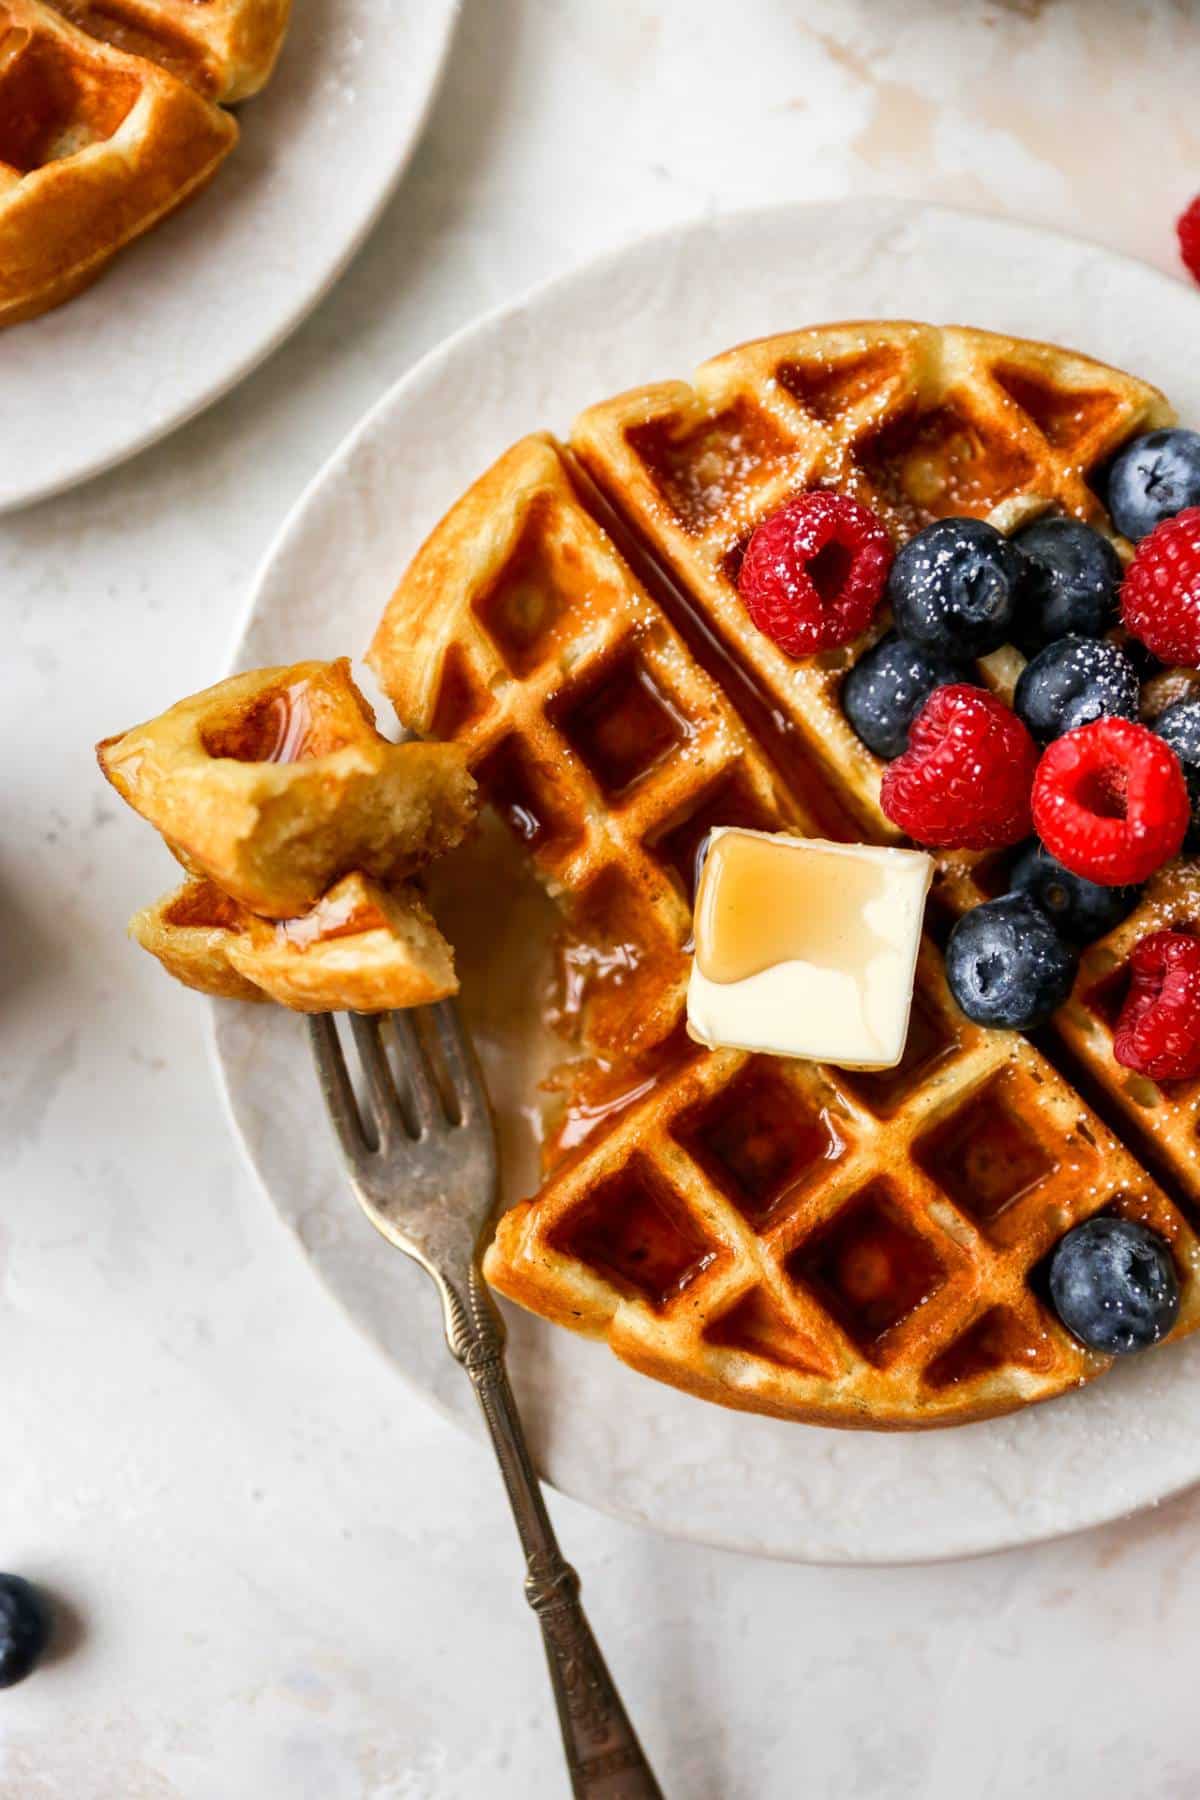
[(301, 829), (849, 1249), (109, 120)]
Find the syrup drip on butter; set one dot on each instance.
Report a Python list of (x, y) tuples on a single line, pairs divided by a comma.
[(762, 903), (806, 948)]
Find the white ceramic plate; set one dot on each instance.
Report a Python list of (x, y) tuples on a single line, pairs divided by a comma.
[(190, 309), (602, 1433)]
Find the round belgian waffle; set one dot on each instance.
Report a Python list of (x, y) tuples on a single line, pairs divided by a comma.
[(852, 1249)]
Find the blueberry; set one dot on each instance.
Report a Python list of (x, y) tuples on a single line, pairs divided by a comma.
[(886, 689), (24, 1628), (954, 587), (1154, 478), (1006, 964), (1071, 584), (1179, 726), (1114, 1285), (1074, 682), (1146, 664), (1081, 911)]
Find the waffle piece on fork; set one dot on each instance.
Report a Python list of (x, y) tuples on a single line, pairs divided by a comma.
[(300, 827), (275, 783), (361, 948)]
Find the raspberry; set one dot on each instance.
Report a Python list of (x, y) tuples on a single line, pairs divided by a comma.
[(1158, 1032), (1160, 598), (814, 572), (964, 781), (1188, 228), (1110, 802)]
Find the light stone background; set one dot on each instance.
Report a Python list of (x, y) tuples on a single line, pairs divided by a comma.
[(287, 1577)]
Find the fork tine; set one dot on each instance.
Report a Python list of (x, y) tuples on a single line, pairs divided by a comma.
[(381, 1089), (422, 1094), (458, 1056), (335, 1084)]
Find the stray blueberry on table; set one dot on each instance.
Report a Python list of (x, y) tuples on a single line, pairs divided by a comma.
[(1072, 582), (1006, 964), (1154, 478), (1114, 1286), (1074, 682), (24, 1629), (1080, 910), (888, 686), (955, 586)]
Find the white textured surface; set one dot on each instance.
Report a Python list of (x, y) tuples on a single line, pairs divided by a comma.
[(186, 311), (296, 1580)]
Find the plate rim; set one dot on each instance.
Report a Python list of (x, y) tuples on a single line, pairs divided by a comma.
[(443, 31), (901, 208)]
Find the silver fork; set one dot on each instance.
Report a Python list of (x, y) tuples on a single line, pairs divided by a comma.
[(421, 1155)]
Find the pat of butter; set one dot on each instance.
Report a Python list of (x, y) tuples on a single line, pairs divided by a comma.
[(806, 948)]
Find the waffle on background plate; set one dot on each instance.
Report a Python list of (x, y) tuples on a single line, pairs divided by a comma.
[(109, 120), (852, 1249)]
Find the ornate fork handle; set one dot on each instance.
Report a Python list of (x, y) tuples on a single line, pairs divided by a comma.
[(603, 1754)]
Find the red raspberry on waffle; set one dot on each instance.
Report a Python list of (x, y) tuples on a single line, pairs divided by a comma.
[(814, 572), (1158, 1032), (1110, 802), (1160, 598), (964, 781)]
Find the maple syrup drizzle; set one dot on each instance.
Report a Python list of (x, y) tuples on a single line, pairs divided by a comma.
[(774, 733), (294, 728), (584, 1116), (586, 969), (599, 1091), (203, 906), (336, 916), (737, 936), (277, 727)]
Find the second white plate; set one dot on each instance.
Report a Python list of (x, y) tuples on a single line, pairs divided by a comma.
[(191, 308), (602, 1433)]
